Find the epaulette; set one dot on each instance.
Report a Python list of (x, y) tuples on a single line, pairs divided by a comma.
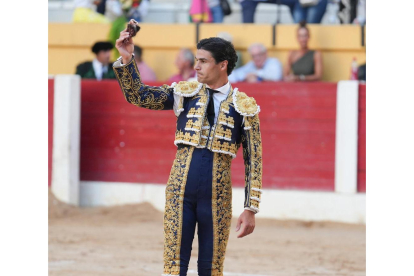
[(187, 88), (244, 104)]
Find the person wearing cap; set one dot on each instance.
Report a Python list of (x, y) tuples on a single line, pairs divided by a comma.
[(100, 67)]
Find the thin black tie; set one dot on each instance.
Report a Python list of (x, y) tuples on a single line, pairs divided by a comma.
[(210, 107)]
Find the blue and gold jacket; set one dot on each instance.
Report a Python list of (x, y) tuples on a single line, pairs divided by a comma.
[(237, 122)]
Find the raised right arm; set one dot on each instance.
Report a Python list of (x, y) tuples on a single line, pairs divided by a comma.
[(127, 74), (139, 94)]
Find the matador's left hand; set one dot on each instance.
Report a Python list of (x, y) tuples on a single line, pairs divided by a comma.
[(247, 222)]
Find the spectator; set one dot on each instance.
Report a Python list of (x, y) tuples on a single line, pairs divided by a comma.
[(352, 11), (145, 71), (113, 11), (303, 64), (261, 68), (229, 38), (216, 11), (100, 67), (200, 12), (84, 13), (100, 7), (135, 9), (185, 66), (311, 11)]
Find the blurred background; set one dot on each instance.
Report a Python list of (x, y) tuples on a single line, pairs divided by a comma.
[(304, 61)]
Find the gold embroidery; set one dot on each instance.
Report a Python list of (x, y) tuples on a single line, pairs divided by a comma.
[(174, 194), (192, 111), (227, 119), (245, 103), (191, 124), (203, 143), (186, 87), (219, 137), (223, 133), (186, 137), (195, 123), (206, 123), (133, 90), (202, 96), (215, 144), (180, 103), (222, 209), (254, 169), (225, 146), (226, 104), (234, 148)]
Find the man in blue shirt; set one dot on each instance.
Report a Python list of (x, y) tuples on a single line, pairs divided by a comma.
[(261, 68)]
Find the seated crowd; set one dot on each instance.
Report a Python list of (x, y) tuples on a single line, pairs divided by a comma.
[(303, 64)]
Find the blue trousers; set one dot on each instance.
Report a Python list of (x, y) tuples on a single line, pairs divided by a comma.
[(198, 194), (311, 14), (217, 13)]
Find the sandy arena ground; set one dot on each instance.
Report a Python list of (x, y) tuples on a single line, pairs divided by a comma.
[(128, 240)]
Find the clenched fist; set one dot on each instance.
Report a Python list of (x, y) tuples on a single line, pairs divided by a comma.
[(125, 45)]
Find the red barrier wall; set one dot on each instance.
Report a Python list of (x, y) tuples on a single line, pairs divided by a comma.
[(362, 138), (51, 92), (123, 143)]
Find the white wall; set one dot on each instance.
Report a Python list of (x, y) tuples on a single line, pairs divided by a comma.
[(66, 138), (277, 204)]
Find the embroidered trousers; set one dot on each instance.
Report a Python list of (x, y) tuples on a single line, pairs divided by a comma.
[(198, 193)]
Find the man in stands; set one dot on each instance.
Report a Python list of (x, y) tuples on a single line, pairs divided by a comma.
[(185, 66), (146, 72), (261, 68), (99, 68)]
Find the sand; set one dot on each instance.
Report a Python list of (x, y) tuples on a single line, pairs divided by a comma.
[(128, 240)]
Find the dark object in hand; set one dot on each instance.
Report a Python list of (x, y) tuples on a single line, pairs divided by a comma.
[(132, 29)]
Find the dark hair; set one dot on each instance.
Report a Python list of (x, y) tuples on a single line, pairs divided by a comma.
[(102, 46), (137, 51), (221, 50), (302, 24)]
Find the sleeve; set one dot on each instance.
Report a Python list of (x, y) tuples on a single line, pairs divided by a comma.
[(80, 70), (139, 94), (271, 72), (252, 155)]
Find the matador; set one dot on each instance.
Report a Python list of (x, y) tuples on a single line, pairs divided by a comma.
[(213, 120)]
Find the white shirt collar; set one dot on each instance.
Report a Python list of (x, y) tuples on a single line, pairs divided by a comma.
[(224, 89), (99, 69), (96, 62)]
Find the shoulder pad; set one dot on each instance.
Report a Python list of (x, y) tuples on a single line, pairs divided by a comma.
[(244, 104), (187, 88)]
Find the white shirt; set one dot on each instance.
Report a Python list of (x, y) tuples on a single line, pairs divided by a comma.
[(98, 68), (271, 71), (217, 97)]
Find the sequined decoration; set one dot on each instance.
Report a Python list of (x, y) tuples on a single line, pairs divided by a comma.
[(139, 94), (252, 155), (174, 196), (222, 209)]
